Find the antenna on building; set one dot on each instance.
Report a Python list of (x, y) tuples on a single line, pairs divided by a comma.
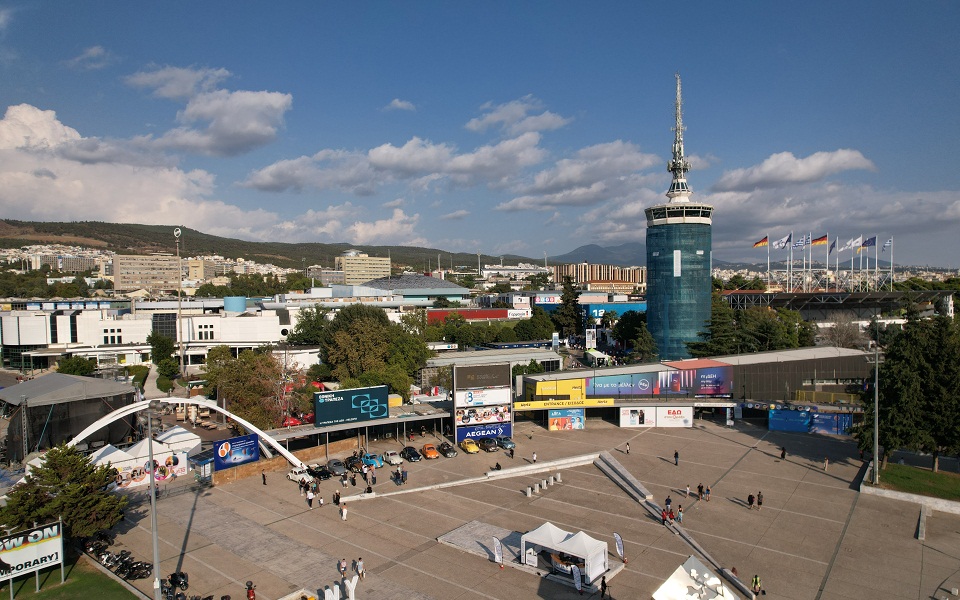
[(679, 190)]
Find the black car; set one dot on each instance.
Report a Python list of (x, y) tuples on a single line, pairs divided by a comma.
[(488, 444), (411, 454), (354, 463), (321, 473), (447, 449)]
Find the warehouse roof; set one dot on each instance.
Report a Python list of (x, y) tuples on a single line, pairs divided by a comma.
[(57, 388)]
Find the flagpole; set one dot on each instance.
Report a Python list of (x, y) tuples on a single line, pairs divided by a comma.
[(891, 264), (851, 270), (768, 262), (876, 263), (828, 261), (790, 268)]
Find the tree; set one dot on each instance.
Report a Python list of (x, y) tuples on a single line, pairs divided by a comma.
[(161, 347), (528, 369), (76, 365), (644, 346), (248, 383), (568, 317), (539, 281), (626, 328), (311, 322), (169, 368), (65, 484), (844, 333), (609, 319), (721, 335)]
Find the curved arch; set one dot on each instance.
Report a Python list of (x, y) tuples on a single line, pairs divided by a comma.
[(144, 404)]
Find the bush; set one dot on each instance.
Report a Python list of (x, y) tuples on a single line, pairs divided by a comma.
[(164, 384), (139, 373)]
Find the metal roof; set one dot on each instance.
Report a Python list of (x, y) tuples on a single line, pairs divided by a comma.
[(485, 357), (779, 356), (57, 388), (420, 283)]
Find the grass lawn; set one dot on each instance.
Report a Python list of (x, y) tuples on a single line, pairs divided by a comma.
[(913, 480), (83, 581)]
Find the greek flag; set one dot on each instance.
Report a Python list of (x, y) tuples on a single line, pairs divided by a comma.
[(887, 244)]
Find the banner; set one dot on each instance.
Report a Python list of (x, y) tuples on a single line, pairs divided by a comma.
[(236, 451), (350, 406), (619, 541), (638, 416), (566, 419), (477, 432), (482, 376), (171, 467), (497, 552), (674, 416), (709, 381), (540, 404), (637, 384), (577, 582), (30, 550), (483, 416), (482, 397)]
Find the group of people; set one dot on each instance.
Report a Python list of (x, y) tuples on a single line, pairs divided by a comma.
[(668, 516), (357, 566), (758, 499)]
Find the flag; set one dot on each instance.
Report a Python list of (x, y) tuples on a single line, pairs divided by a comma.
[(853, 243), (887, 244), (820, 241), (802, 242), (867, 243), (498, 552), (577, 581), (619, 541), (833, 246), (783, 242), (763, 242)]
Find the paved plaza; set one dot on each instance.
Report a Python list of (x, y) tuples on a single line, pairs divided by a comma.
[(816, 536)]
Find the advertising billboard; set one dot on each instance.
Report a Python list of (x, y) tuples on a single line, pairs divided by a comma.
[(564, 419), (710, 381), (236, 451), (30, 550), (636, 384), (638, 416), (476, 432), (481, 397), (350, 406), (482, 415), (171, 467), (481, 376), (674, 416), (558, 389)]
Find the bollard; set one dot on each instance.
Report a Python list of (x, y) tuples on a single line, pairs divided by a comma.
[(558, 478), (550, 480), (529, 491), (536, 488), (544, 484)]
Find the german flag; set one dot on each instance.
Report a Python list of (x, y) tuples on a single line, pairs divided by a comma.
[(820, 241), (763, 242)]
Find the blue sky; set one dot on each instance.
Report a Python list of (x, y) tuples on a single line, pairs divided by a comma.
[(494, 127)]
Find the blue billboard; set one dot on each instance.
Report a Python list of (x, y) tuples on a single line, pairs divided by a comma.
[(477, 432), (350, 406), (236, 451), (709, 381), (563, 419), (789, 420)]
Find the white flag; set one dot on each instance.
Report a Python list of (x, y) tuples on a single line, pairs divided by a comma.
[(783, 242), (619, 541), (577, 577), (497, 551), (854, 243)]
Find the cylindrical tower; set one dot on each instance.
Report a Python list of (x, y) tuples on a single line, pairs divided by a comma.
[(679, 257)]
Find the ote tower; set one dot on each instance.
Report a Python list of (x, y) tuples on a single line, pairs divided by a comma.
[(679, 257)]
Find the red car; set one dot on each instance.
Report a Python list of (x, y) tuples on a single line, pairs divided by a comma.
[(295, 421)]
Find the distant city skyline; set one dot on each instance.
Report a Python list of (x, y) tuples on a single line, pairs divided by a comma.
[(520, 128)]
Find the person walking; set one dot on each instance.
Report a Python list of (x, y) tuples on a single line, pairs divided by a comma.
[(663, 516), (700, 492), (826, 463), (534, 458), (680, 513), (343, 480), (759, 500), (310, 499), (707, 493), (343, 511), (668, 502), (263, 474), (603, 581), (783, 453), (320, 502), (336, 497), (755, 584), (628, 452), (671, 517), (342, 567), (676, 458), (688, 490), (303, 488), (360, 570), (511, 453), (750, 501), (403, 476)]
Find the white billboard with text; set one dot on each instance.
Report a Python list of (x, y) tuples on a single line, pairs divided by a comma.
[(674, 416), (482, 397)]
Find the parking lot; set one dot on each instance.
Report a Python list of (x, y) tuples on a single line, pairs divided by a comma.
[(816, 536)]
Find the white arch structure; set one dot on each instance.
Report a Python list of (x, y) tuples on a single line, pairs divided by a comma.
[(144, 404)]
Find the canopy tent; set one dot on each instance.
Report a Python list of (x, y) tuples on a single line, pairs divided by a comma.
[(693, 580), (178, 439), (111, 454), (592, 551)]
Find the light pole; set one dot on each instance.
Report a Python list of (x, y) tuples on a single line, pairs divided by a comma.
[(154, 404), (183, 366), (876, 406)]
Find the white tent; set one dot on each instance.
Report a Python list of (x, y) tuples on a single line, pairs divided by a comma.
[(109, 454), (178, 439), (549, 536), (693, 580)]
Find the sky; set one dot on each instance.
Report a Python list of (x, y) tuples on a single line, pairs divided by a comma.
[(519, 127)]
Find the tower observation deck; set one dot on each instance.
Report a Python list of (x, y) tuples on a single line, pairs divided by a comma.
[(679, 257)]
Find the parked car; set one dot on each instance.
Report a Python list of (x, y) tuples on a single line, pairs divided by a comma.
[(488, 445), (354, 463), (319, 471), (392, 457), (410, 453), (429, 451), (447, 450), (299, 474), (291, 422), (337, 467), (372, 460), (505, 442), (469, 446)]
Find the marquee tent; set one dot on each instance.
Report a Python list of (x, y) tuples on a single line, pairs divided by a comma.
[(693, 580), (592, 551)]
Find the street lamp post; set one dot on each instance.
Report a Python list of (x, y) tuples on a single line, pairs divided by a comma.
[(153, 500), (183, 366)]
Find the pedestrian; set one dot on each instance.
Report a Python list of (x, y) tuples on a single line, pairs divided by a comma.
[(826, 463), (700, 492), (755, 584), (336, 497), (668, 502), (320, 502), (676, 458), (403, 476), (759, 500), (534, 458), (680, 513), (734, 572), (511, 453), (263, 474), (750, 501), (672, 517), (861, 453), (688, 490), (663, 516), (783, 453), (603, 580), (343, 480), (628, 452), (708, 493), (343, 511), (303, 488), (353, 479), (373, 477), (310, 499), (342, 567), (360, 570)]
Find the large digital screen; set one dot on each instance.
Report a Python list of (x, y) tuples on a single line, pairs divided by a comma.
[(483, 415), (710, 381), (482, 376), (236, 451), (482, 397), (350, 406), (566, 419)]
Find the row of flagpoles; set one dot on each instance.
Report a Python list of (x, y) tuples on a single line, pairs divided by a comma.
[(807, 241)]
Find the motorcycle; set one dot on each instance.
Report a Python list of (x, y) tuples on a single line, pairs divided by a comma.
[(251, 591), (179, 579)]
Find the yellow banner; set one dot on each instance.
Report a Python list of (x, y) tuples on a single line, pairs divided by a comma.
[(584, 403)]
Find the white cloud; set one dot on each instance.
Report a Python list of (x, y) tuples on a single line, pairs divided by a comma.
[(415, 157), (91, 59), (28, 127), (327, 169), (399, 229), (395, 203), (456, 215), (238, 122), (513, 117), (785, 169), (178, 82), (6, 17), (398, 104)]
